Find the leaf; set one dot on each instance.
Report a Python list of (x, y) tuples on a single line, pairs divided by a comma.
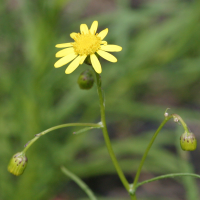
[(83, 130)]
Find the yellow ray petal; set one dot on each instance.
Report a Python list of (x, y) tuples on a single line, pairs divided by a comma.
[(103, 33), (84, 28), (95, 63), (73, 35), (107, 56), (93, 27), (111, 48), (64, 52), (73, 65), (64, 45), (103, 42), (65, 60), (82, 59)]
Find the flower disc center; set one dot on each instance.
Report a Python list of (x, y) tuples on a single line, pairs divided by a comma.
[(86, 44)]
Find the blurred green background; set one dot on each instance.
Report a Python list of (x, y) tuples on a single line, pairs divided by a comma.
[(158, 68)]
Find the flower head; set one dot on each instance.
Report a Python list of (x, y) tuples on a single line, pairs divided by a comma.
[(18, 164), (86, 43), (188, 141)]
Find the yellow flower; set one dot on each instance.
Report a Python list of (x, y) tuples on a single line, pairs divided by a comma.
[(86, 43)]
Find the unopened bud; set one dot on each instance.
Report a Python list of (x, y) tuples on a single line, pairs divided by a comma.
[(166, 114), (86, 80), (188, 142), (18, 164), (175, 119)]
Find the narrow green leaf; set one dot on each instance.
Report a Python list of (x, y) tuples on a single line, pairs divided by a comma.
[(83, 130), (80, 183)]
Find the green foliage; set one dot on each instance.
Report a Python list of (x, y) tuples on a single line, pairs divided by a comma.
[(158, 68)]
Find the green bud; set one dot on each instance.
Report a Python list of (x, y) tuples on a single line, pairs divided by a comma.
[(86, 80), (188, 141), (18, 164)]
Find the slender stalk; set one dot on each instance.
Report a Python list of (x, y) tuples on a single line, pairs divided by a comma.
[(167, 176), (106, 136), (80, 183), (37, 136), (189, 183), (133, 197), (177, 117), (147, 150)]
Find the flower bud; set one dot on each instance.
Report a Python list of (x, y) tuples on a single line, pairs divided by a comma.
[(188, 141), (86, 80), (18, 164)]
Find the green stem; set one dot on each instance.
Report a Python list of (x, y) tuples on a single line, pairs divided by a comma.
[(133, 197), (189, 183), (177, 117), (80, 183), (106, 136), (147, 150), (37, 136), (167, 176)]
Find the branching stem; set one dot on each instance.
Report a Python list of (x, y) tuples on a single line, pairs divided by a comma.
[(177, 118), (167, 176), (37, 136)]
